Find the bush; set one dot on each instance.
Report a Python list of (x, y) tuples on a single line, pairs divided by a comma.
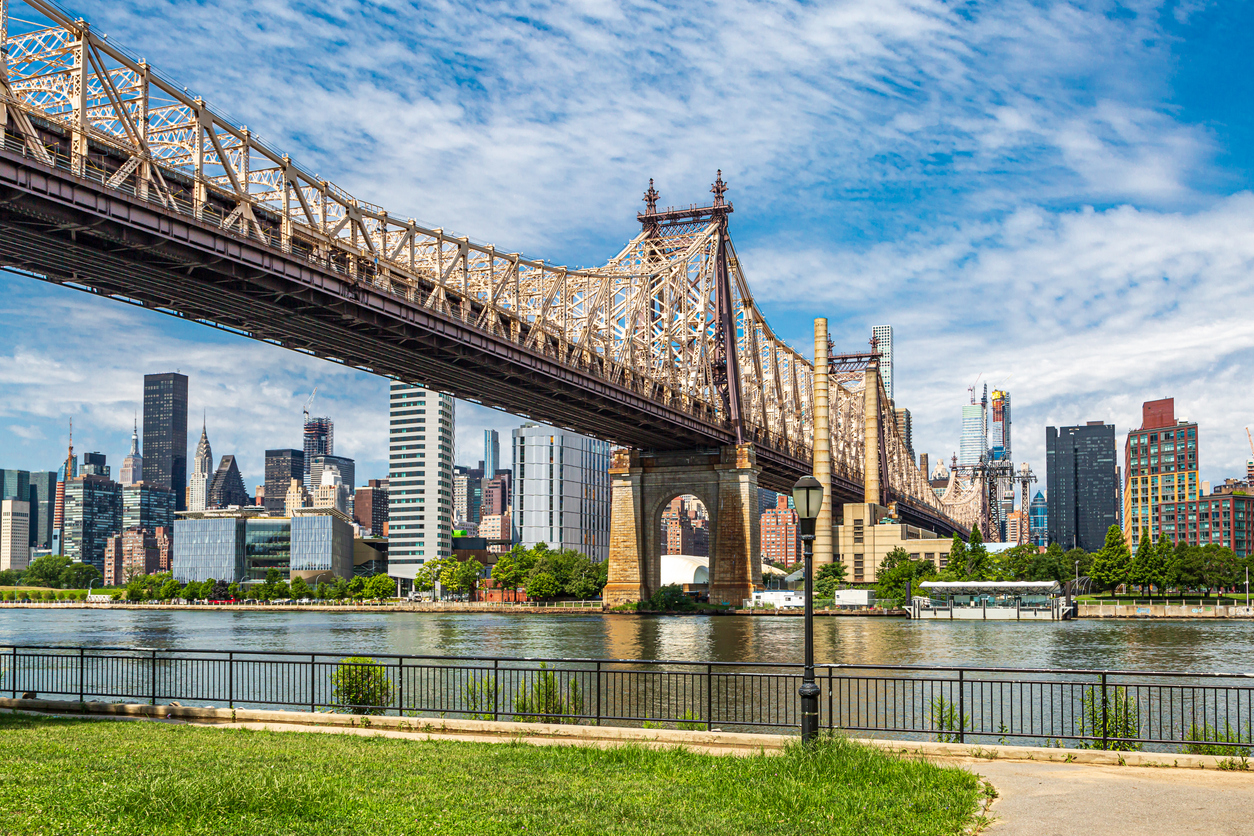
[(361, 686), (1122, 719), (1228, 743), (546, 699), (668, 598)]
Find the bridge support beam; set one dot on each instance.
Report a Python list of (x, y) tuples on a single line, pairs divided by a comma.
[(643, 484), (823, 551)]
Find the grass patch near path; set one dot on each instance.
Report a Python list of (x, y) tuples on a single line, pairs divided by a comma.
[(70, 776)]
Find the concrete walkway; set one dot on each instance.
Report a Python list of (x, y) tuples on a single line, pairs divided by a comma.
[(1064, 799)]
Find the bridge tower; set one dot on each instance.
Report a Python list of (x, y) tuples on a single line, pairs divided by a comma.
[(724, 479)]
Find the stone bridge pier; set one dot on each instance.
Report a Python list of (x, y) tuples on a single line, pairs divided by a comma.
[(643, 484)]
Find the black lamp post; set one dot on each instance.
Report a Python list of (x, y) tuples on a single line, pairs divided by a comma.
[(807, 496)]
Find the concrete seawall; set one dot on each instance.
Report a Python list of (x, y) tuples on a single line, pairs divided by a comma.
[(1163, 611)]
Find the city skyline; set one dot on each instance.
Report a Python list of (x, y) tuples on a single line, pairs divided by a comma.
[(1043, 214)]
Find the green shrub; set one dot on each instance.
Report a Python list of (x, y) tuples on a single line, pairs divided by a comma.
[(691, 721), (545, 698), (669, 598), (1122, 719), (946, 720), (480, 696), (361, 686), (1228, 743)]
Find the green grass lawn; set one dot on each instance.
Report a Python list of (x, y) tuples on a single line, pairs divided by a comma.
[(62, 776)]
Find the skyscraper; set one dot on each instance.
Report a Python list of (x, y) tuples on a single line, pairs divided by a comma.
[(96, 464), (282, 466), (15, 484), (883, 335), (1038, 521), (561, 490), (43, 498), (491, 454), (343, 465), (165, 434), (202, 473), (93, 513), (14, 534), (133, 464), (144, 506), (319, 441), (420, 477), (370, 507), (974, 445), (1081, 488), (227, 487), (999, 426), (905, 426), (1160, 465)]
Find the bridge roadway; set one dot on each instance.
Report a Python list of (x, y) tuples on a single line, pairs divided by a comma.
[(77, 232)]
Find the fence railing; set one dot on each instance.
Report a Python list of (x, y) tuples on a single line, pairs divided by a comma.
[(1208, 713)]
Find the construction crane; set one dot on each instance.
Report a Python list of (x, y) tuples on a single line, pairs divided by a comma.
[(1251, 438), (309, 403)]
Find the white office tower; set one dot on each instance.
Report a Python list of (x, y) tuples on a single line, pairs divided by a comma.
[(461, 494), (14, 534), (202, 474), (561, 490), (420, 478), (883, 335)]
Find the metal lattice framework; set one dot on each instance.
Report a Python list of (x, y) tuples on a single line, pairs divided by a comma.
[(671, 317)]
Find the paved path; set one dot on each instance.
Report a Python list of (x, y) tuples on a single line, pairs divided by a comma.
[(1063, 799)]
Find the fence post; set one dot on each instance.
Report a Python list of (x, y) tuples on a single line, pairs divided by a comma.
[(154, 678), (400, 687), (1105, 724), (709, 697), (312, 706), (496, 689), (962, 705), (13, 678), (831, 715), (598, 692), (81, 685), (230, 679)]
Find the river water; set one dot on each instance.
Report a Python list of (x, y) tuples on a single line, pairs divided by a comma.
[(1165, 645)]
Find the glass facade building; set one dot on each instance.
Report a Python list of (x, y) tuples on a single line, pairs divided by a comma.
[(43, 503), (561, 490), (282, 466), (321, 544), (209, 548), (165, 433), (144, 506), (93, 512), (267, 545), (1038, 520), (1081, 486)]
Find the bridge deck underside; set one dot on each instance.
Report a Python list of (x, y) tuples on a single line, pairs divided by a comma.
[(76, 232)]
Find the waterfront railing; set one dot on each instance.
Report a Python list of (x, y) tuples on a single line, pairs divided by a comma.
[(1208, 713)]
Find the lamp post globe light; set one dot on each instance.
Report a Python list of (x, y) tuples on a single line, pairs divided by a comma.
[(807, 496)]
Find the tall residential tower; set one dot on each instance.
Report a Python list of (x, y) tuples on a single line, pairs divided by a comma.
[(420, 477)]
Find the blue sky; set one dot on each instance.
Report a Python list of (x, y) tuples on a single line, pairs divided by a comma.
[(1053, 197)]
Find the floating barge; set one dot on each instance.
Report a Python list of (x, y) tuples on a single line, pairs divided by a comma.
[(991, 601)]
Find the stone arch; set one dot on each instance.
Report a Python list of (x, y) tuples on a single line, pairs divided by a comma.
[(725, 481)]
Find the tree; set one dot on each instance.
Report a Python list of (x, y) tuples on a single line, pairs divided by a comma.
[(1141, 571), (511, 569), (461, 576), (234, 591), (979, 565), (192, 591), (1166, 562), (380, 586), (10, 577), (300, 589), (170, 590), (46, 570), (79, 575), (323, 592), (356, 585), (1111, 564), (1084, 558), (957, 563), (137, 589), (279, 592), (588, 581), (827, 578), (543, 585), (1220, 566), (899, 575)]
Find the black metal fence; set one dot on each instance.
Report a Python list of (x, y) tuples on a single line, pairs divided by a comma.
[(1209, 713)]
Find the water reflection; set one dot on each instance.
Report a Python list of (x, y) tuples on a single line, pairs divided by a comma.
[(1202, 645)]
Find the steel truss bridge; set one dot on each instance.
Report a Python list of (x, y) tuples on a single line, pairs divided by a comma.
[(115, 181)]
